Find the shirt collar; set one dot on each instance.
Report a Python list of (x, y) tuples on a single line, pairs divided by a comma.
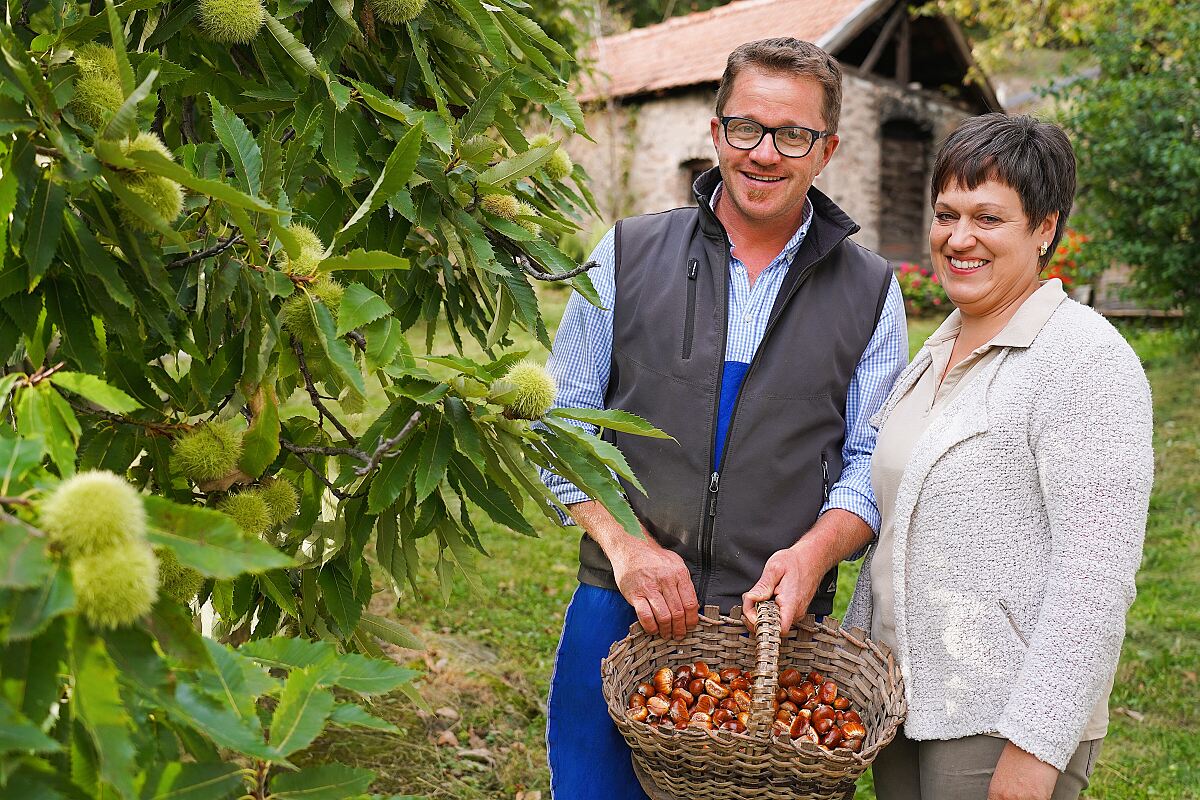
[(793, 244), (1024, 326)]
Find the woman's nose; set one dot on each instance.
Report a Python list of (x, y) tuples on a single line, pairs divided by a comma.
[(962, 235)]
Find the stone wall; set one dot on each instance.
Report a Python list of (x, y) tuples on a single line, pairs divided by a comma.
[(644, 153)]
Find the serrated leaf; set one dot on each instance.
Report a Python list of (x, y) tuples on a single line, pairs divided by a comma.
[(96, 702), (605, 452), (483, 111), (156, 164), (575, 465), (339, 147), (396, 172), (612, 419), (488, 496), (236, 682), (35, 608), (337, 590), (359, 307), (97, 261), (364, 259), (393, 475), (217, 722), (299, 53), (123, 124), (178, 781), (275, 585), (18, 455), (436, 448), (325, 782), (18, 733), (303, 708), (96, 391), (260, 442), (517, 167), (348, 715), (390, 631), (336, 349), (209, 541), (43, 226), (23, 559), (239, 143)]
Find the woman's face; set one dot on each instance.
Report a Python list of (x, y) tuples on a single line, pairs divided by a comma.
[(982, 249)]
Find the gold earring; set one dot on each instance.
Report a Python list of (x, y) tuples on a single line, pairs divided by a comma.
[(1044, 248)]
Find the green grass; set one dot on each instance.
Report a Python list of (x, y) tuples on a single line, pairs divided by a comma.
[(491, 641)]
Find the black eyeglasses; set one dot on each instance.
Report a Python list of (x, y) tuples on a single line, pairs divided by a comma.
[(793, 141)]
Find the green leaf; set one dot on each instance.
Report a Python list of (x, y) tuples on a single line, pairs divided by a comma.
[(35, 608), (488, 496), (260, 442), (236, 682), (371, 676), (23, 559), (290, 653), (18, 456), (575, 465), (339, 147), (275, 585), (209, 541), (217, 722), (96, 702), (364, 259), (156, 164), (612, 419), (299, 53), (97, 261), (239, 143), (123, 124), (436, 448), (390, 631), (96, 390), (336, 349), (517, 167), (465, 432), (348, 715), (359, 307), (483, 111), (303, 708), (325, 782), (148, 213), (396, 172), (43, 226), (18, 733), (603, 451), (393, 475), (176, 781)]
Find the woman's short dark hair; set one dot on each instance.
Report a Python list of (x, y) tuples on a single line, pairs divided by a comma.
[(1033, 158), (787, 56)]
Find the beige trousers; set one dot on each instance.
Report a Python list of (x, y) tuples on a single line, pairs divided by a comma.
[(961, 769)]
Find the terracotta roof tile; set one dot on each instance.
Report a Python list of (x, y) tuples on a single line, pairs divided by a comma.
[(690, 50)]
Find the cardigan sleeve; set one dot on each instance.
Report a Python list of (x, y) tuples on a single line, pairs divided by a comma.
[(1092, 443)]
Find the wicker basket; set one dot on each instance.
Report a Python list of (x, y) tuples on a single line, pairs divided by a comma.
[(720, 765)]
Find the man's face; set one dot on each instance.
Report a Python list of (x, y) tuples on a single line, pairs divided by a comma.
[(763, 185)]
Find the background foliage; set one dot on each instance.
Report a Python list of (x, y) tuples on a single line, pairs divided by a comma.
[(130, 319)]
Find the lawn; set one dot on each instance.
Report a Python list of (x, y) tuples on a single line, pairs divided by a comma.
[(491, 639)]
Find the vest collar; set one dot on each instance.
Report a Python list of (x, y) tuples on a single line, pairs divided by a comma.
[(830, 225)]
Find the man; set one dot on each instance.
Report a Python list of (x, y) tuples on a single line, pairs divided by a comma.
[(754, 332)]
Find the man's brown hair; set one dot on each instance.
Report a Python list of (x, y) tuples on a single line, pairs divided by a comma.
[(787, 56)]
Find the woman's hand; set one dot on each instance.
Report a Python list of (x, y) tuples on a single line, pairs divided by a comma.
[(1021, 776)]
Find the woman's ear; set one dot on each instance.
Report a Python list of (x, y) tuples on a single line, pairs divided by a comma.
[(1048, 226)]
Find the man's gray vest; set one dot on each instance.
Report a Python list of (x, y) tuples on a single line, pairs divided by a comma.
[(783, 447)]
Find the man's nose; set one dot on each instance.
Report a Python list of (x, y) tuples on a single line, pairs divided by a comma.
[(765, 152)]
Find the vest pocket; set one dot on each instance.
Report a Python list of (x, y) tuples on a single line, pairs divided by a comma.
[(689, 319)]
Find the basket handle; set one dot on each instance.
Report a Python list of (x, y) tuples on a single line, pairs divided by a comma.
[(766, 668)]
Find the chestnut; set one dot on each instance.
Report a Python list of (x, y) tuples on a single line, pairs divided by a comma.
[(828, 692), (734, 726), (679, 712), (658, 705), (729, 673), (784, 716), (696, 686), (748, 675), (796, 696), (638, 714), (715, 689), (645, 690), (789, 705), (729, 704), (789, 677), (854, 730), (739, 683), (779, 728), (705, 704), (684, 695), (664, 681), (701, 720), (852, 716), (815, 678), (781, 695), (742, 699), (798, 726), (841, 702), (810, 734), (822, 725), (744, 718), (853, 745), (683, 675), (721, 716), (833, 738), (636, 701), (807, 689), (823, 712), (700, 669)]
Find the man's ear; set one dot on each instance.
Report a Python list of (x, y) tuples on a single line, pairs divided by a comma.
[(714, 126), (831, 145)]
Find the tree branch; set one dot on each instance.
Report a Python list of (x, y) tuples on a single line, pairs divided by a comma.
[(155, 428), (527, 264), (385, 448), (339, 494), (220, 247), (352, 452), (315, 396)]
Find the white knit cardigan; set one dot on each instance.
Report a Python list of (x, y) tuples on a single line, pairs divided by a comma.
[(1018, 530)]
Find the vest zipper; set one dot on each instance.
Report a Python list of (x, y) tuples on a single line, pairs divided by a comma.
[(825, 474), (689, 321), (709, 520)]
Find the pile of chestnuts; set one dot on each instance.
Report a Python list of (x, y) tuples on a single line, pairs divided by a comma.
[(694, 696), (811, 708), (698, 696)]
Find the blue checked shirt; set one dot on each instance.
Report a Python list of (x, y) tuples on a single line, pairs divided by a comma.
[(582, 353)]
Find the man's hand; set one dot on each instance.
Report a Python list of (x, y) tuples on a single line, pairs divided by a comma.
[(653, 579), (658, 585), (1021, 776), (790, 576)]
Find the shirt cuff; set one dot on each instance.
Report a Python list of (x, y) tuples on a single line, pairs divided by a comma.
[(863, 507)]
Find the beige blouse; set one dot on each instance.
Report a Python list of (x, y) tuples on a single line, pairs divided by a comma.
[(911, 418)]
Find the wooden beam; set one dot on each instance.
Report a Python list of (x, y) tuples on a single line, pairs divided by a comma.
[(903, 52), (889, 27)]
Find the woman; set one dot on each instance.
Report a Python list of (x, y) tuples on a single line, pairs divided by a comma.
[(1013, 472)]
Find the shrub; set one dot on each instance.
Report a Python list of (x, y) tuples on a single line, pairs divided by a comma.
[(923, 293)]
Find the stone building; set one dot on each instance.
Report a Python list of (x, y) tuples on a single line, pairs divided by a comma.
[(651, 96)]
